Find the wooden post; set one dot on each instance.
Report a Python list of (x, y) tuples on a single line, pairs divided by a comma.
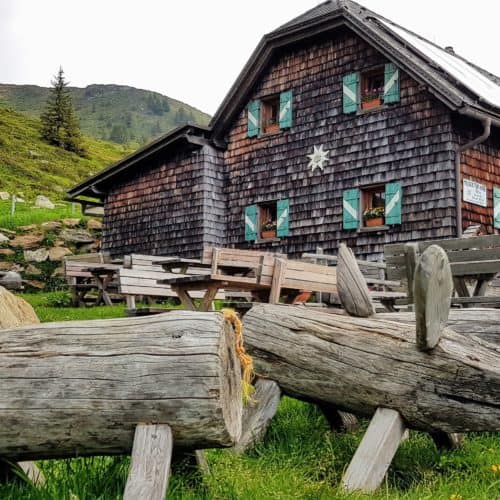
[(351, 285), (278, 275), (258, 415), (410, 252), (433, 287), (150, 463), (375, 452)]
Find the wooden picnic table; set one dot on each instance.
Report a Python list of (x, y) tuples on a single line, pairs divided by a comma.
[(171, 264), (102, 275)]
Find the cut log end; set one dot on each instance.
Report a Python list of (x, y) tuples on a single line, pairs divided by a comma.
[(433, 286)]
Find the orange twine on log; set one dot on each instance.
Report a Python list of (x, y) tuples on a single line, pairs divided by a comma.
[(246, 360)]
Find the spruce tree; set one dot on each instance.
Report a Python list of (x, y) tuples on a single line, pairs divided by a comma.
[(59, 123)]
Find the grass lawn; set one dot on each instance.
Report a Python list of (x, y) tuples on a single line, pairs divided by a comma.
[(299, 458)]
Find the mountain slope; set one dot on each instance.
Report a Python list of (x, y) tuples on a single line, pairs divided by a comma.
[(31, 166), (116, 113)]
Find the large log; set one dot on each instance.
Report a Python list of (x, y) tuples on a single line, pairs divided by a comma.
[(362, 364), (81, 388)]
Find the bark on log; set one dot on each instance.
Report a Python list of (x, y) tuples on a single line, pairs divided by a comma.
[(80, 388), (361, 364)]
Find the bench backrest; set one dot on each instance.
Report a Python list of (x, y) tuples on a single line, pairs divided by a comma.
[(309, 277)]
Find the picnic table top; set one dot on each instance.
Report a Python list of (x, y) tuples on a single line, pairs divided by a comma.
[(201, 281)]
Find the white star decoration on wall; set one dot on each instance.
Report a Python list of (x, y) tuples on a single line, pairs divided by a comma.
[(318, 158)]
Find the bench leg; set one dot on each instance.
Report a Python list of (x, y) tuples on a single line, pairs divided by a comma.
[(130, 301)]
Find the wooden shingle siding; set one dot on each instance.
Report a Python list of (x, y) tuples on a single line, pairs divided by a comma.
[(159, 210), (480, 164), (408, 142)]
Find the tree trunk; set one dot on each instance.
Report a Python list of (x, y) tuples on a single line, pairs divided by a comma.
[(362, 364), (81, 388)]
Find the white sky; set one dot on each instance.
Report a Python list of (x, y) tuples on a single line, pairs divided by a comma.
[(194, 50)]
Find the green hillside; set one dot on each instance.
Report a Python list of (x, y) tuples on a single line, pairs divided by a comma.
[(115, 113), (30, 166)]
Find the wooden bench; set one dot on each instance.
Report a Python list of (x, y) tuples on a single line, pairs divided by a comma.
[(382, 290), (140, 277), (476, 258), (81, 281)]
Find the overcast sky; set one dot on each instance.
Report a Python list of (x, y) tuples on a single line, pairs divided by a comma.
[(193, 50)]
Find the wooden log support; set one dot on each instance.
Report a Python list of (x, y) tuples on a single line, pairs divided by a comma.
[(351, 285), (375, 452), (433, 286), (150, 463), (81, 388), (361, 364), (258, 415)]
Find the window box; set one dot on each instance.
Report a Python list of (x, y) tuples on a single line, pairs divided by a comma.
[(371, 103), (265, 235), (378, 221)]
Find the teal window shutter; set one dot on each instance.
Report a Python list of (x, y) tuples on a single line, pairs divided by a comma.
[(282, 216), (251, 223), (253, 118), (350, 206), (350, 94), (286, 109), (393, 197), (391, 83), (496, 208)]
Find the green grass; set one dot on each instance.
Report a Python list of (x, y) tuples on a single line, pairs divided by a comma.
[(299, 458), (31, 166)]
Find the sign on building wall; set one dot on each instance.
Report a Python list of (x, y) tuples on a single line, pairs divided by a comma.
[(475, 193)]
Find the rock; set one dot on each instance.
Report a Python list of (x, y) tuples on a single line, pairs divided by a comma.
[(6, 252), (42, 201), (19, 199), (6, 266), (56, 254), (38, 255), (51, 225), (11, 280), (58, 272), (15, 311), (34, 154), (31, 269), (3, 238), (71, 222), (35, 284), (30, 227), (27, 241), (94, 225), (7, 231), (76, 236), (59, 243), (4, 195), (91, 248)]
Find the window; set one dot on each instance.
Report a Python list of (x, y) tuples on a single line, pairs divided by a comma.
[(266, 220), (372, 88), (270, 114), (372, 206), (369, 89)]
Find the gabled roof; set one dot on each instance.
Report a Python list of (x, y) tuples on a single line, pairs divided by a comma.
[(458, 83), (186, 136)]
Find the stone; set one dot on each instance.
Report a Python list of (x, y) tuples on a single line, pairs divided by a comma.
[(3, 238), (4, 195), (27, 228), (91, 248), (6, 266), (56, 254), (19, 199), (35, 284), (59, 243), (15, 311), (7, 252), (58, 272), (38, 255), (7, 231), (34, 154), (71, 222), (12, 281), (76, 236), (51, 225), (42, 201), (94, 225), (26, 241), (33, 270)]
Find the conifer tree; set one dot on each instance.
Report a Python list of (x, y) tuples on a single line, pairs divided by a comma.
[(59, 123)]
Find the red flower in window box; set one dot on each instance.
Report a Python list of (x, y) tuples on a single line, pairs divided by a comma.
[(371, 98), (374, 216), (268, 229)]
